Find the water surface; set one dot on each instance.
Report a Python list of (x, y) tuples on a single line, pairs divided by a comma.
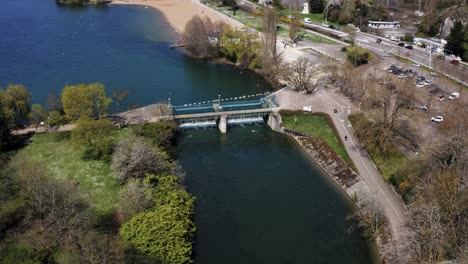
[(259, 200)]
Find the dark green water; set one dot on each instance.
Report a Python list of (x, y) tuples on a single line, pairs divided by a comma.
[(259, 199)]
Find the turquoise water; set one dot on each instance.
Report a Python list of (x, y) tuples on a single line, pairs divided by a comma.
[(259, 199)]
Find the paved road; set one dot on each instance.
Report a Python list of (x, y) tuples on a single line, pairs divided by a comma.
[(326, 101)]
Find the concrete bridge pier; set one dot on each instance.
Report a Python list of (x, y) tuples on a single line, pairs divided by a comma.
[(223, 124)]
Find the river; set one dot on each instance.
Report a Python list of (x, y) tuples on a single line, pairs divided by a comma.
[(259, 198)]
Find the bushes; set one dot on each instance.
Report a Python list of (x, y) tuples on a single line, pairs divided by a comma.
[(358, 56), (95, 137), (135, 157), (167, 232), (161, 134)]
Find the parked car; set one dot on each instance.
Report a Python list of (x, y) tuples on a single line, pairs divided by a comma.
[(307, 20), (454, 96), (454, 62), (402, 76), (420, 78), (401, 44), (378, 40), (420, 84), (324, 24), (423, 107), (441, 98), (416, 65), (428, 82), (437, 119), (332, 27), (409, 47)]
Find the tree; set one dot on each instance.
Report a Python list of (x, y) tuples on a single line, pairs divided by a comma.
[(55, 118), (295, 20), (370, 217), (54, 102), (85, 101), (316, 6), (161, 134), (201, 36), (38, 114), (135, 157), (119, 96), (135, 197), (17, 99), (240, 47), (300, 75), (6, 121), (270, 32), (95, 137), (455, 39), (167, 231), (358, 56)]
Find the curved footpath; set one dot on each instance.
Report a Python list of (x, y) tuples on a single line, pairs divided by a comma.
[(326, 101)]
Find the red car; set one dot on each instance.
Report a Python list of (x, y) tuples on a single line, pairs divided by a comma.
[(454, 62)]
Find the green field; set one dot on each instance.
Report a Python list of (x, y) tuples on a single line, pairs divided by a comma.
[(316, 126), (93, 178), (256, 23)]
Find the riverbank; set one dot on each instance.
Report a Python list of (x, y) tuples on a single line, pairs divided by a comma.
[(179, 12)]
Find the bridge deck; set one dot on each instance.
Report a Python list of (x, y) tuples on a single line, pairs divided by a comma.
[(216, 114)]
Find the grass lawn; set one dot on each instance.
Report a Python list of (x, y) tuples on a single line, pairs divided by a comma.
[(256, 22), (316, 126), (93, 178), (389, 165)]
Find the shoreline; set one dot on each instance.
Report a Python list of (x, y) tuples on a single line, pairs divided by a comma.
[(179, 12)]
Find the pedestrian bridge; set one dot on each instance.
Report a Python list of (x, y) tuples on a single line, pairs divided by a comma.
[(222, 112)]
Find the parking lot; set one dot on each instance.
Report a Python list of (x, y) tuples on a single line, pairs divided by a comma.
[(434, 97)]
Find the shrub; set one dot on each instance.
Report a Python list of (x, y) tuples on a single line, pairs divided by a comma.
[(167, 232), (135, 157), (358, 56), (94, 136)]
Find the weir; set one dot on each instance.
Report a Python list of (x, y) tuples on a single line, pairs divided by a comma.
[(224, 112)]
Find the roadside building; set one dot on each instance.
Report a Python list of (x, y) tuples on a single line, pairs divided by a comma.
[(383, 24)]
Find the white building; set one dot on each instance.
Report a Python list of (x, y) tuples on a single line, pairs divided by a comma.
[(384, 24)]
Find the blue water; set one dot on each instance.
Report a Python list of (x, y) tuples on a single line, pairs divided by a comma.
[(44, 47), (259, 199)]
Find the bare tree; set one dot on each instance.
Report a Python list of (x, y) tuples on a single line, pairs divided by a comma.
[(300, 75), (201, 36), (135, 197), (119, 96), (134, 157), (295, 20), (270, 32), (369, 217)]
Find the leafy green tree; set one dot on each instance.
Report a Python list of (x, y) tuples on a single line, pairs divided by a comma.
[(455, 39), (55, 118), (95, 137), (240, 47), (38, 114), (6, 120), (167, 232), (316, 6), (17, 99), (358, 56), (465, 44), (85, 101), (161, 133)]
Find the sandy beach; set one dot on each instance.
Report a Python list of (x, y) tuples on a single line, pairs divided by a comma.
[(179, 12)]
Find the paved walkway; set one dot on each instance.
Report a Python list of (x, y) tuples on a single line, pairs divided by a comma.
[(326, 101)]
